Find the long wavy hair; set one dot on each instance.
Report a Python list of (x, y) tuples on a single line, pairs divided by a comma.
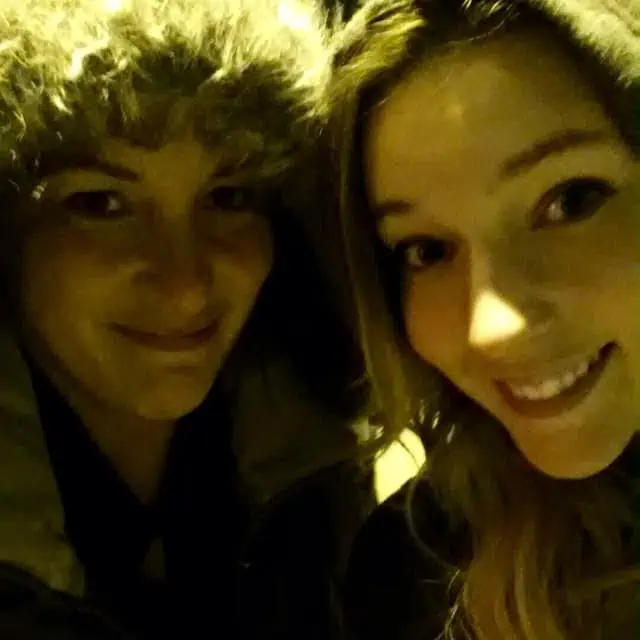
[(550, 559), (246, 77)]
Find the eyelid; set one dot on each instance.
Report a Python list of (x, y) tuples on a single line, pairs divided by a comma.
[(63, 185), (391, 234), (75, 213), (556, 191), (118, 194), (424, 238), (393, 238), (230, 183)]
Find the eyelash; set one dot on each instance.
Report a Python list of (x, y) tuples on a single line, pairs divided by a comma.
[(445, 252), (84, 210), (224, 200), (603, 190), (401, 252)]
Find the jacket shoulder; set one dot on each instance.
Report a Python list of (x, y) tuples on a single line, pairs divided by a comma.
[(31, 516)]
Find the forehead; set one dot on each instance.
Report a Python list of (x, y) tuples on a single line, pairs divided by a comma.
[(159, 124), (472, 108), (182, 155), (177, 169), (183, 158)]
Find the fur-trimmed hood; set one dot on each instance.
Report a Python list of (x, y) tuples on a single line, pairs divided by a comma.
[(610, 27), (72, 73)]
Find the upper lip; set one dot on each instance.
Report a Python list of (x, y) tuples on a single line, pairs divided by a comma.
[(538, 372)]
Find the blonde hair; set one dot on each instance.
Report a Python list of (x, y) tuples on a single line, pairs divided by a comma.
[(529, 576)]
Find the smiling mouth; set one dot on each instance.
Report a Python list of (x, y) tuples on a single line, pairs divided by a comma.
[(560, 394), (170, 341)]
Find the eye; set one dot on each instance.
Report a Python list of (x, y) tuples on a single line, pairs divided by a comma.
[(96, 205), (417, 254), (573, 201), (231, 198)]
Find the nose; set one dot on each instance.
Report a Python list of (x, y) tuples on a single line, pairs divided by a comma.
[(503, 306), (179, 270), (493, 319)]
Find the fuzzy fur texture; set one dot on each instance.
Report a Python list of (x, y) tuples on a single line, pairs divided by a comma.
[(611, 27), (75, 71)]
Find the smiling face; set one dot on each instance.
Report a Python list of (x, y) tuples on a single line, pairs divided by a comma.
[(138, 274), (494, 175)]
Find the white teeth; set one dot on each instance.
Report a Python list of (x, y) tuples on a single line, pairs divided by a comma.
[(553, 387), (526, 392), (550, 388), (568, 380)]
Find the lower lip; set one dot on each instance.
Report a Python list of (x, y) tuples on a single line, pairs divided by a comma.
[(568, 399), (172, 343)]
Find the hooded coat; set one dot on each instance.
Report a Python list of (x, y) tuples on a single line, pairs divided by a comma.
[(259, 499)]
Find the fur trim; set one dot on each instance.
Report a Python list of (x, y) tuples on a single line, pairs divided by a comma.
[(610, 27), (75, 71)]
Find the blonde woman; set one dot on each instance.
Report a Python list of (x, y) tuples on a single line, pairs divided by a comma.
[(173, 374), (491, 214)]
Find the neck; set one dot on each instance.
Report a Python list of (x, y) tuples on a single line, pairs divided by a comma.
[(137, 448)]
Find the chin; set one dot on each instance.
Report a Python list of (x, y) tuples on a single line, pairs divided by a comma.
[(569, 471), (172, 403), (168, 412), (571, 465)]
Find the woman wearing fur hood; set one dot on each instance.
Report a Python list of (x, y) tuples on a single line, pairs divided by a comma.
[(176, 385)]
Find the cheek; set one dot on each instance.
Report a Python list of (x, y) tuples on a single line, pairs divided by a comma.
[(618, 281), (62, 282), (245, 252), (592, 268), (434, 321)]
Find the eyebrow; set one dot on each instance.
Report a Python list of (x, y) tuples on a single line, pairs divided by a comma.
[(391, 208), (553, 145), (225, 169), (111, 169)]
